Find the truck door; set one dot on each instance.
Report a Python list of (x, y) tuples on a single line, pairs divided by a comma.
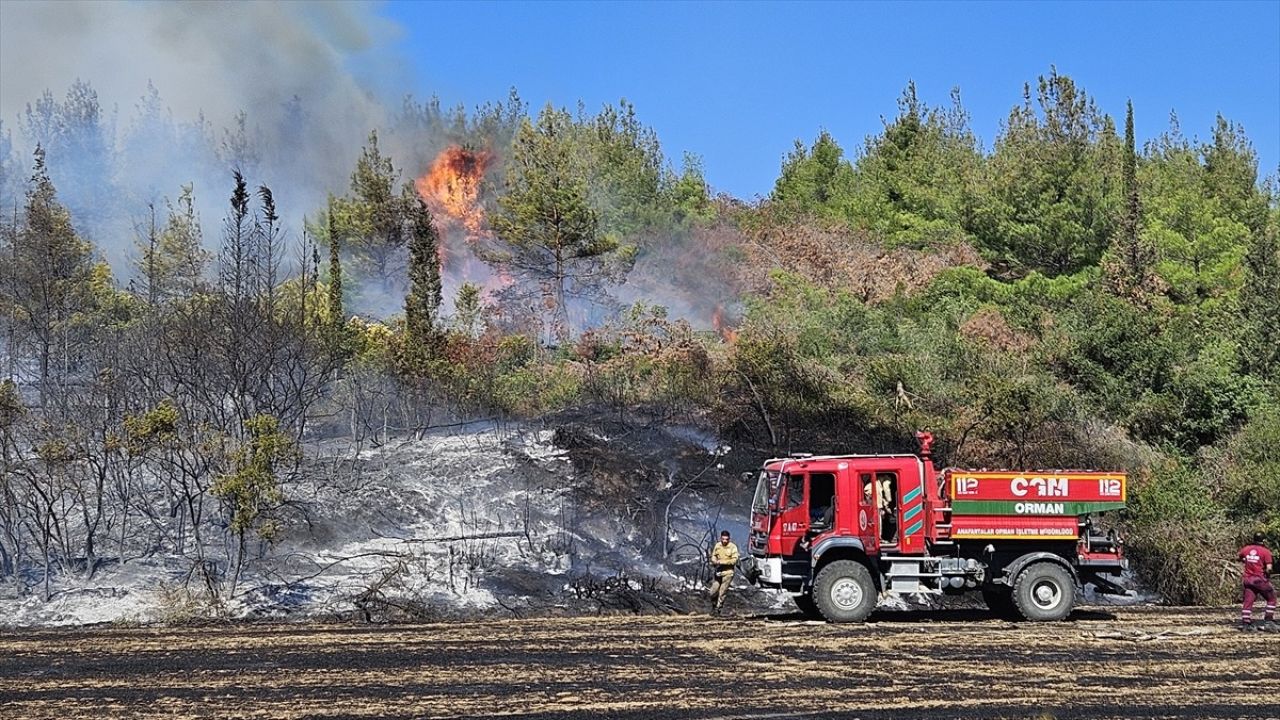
[(880, 509), (822, 502), (794, 517), (868, 512), (897, 489)]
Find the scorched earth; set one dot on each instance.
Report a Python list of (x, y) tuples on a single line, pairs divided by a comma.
[(1104, 663)]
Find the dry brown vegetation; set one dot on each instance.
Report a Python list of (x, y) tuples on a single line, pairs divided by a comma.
[(1105, 663)]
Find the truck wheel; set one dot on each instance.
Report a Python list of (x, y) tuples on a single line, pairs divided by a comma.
[(1044, 592), (1000, 601), (807, 607), (844, 592)]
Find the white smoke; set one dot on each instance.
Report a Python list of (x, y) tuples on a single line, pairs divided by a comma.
[(310, 78), (211, 57)]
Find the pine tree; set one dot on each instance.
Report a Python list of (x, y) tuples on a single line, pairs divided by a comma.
[(816, 181), (1052, 184), (172, 258), (914, 182), (1260, 301), (52, 278), (237, 244), (548, 234), (267, 249), (467, 306), (373, 218)]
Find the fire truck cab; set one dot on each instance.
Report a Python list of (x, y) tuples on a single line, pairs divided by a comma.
[(838, 532)]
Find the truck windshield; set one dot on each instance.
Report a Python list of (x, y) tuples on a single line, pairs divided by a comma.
[(766, 486)]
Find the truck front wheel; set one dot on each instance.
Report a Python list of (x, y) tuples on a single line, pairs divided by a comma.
[(844, 591), (1044, 592)]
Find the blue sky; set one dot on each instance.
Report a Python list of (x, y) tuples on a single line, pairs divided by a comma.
[(737, 83)]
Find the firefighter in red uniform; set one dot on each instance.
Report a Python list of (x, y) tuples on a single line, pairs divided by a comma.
[(1257, 582)]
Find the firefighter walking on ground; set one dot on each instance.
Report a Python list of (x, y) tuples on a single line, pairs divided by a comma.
[(723, 560), (1257, 583)]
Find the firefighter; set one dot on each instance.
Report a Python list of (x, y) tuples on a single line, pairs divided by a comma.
[(723, 560), (888, 509), (1257, 582)]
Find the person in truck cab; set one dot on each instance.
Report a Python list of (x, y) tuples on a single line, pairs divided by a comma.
[(887, 484), (821, 516), (1257, 582), (723, 560)]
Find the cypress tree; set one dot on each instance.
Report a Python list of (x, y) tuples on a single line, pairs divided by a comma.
[(1131, 265), (1133, 204), (336, 313), (422, 303)]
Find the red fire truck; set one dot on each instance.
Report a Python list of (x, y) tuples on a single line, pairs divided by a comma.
[(840, 531)]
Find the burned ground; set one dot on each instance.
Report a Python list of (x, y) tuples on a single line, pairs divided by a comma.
[(1104, 663)]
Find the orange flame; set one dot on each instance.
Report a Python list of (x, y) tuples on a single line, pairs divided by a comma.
[(451, 188), (726, 333)]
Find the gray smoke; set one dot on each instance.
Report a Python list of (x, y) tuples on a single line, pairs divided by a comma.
[(285, 92), (215, 58), (306, 76)]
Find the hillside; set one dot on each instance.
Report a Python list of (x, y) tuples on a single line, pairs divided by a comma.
[(244, 404)]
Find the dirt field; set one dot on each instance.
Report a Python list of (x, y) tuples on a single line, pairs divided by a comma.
[(1130, 663)]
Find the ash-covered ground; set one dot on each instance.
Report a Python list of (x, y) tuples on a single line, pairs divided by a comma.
[(576, 515), (1112, 664)]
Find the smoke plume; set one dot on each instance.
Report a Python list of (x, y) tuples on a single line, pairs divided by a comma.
[(173, 80)]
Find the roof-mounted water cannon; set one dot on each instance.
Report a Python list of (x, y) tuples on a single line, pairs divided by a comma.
[(926, 443)]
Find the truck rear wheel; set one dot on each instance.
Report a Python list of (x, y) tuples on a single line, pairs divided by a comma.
[(1044, 592), (844, 591)]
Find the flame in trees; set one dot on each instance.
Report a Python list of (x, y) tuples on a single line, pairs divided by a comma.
[(722, 327), (451, 188)]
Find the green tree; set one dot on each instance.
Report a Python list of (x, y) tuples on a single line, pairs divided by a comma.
[(173, 260), (422, 303), (623, 164), (914, 183), (467, 308), (1249, 466), (51, 281), (1130, 266), (252, 487), (372, 219), (690, 193), (548, 235), (337, 316), (1231, 175), (1200, 244), (1260, 300), (1053, 184), (816, 181)]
